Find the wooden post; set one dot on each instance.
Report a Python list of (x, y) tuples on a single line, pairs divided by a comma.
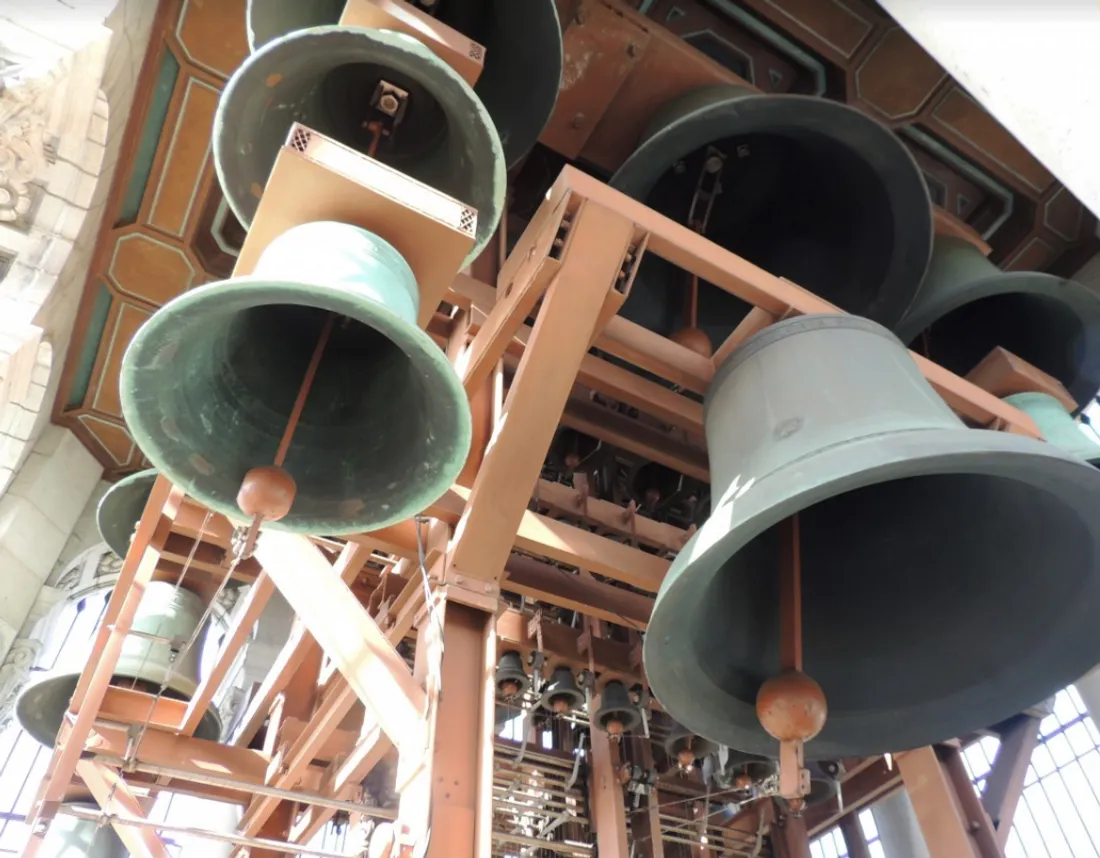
[(1005, 783), (788, 833), (952, 824), (645, 825), (854, 838), (606, 796)]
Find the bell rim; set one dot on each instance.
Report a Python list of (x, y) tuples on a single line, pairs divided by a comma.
[(113, 503), (882, 458), (899, 173), (210, 726), (393, 45), (428, 355)]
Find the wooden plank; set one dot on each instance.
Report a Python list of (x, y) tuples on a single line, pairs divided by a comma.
[(1005, 783)]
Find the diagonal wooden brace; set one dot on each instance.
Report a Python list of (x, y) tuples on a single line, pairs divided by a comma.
[(348, 635), (115, 797)]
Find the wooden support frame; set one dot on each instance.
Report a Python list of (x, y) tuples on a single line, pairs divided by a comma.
[(1005, 783)]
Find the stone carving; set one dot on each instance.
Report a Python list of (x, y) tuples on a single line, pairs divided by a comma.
[(14, 673), (24, 108)]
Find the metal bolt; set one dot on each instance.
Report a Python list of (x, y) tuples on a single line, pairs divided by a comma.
[(679, 167), (631, 49), (580, 16), (488, 588), (578, 121), (388, 103), (713, 164)]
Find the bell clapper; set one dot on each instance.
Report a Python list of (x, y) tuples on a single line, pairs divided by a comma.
[(388, 103), (267, 491), (707, 189), (791, 705)]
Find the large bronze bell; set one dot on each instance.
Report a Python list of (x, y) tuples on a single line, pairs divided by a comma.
[(808, 189), (949, 575), (121, 507), (521, 68), (967, 306), (1056, 424), (168, 614), (209, 381), (328, 78)]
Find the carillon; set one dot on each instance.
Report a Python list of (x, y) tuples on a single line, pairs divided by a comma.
[(808, 189), (967, 306), (522, 52), (379, 92), (921, 545), (211, 381), (120, 509)]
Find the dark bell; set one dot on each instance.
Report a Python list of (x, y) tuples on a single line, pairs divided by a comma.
[(521, 69), (511, 679), (121, 507), (824, 781), (652, 485), (681, 742), (967, 307), (898, 504), (617, 713), (811, 190), (208, 384), (561, 694), (326, 78)]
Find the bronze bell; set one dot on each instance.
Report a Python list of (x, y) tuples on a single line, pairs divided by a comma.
[(334, 81), (808, 189), (684, 747), (167, 612), (617, 713), (210, 381), (121, 507), (522, 59), (511, 679), (967, 306), (561, 694), (898, 503)]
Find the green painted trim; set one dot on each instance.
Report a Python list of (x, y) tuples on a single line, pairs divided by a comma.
[(97, 324), (159, 101)]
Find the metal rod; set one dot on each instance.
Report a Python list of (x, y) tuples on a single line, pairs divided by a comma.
[(223, 837), (303, 391), (257, 789)]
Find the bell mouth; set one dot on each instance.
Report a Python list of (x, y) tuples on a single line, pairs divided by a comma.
[(324, 77), (1052, 323), (923, 613), (813, 191), (209, 383), (41, 707), (121, 508)]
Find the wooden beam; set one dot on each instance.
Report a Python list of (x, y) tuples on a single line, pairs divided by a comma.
[(1005, 783), (854, 838), (645, 822), (861, 787), (236, 636), (789, 836), (592, 260), (115, 797), (552, 585), (347, 634)]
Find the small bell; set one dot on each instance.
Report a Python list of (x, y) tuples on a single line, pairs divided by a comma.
[(617, 714), (512, 680), (561, 695)]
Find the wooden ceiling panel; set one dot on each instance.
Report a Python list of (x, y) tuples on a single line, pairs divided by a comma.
[(212, 34)]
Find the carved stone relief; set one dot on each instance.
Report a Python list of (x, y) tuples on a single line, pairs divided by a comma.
[(24, 149)]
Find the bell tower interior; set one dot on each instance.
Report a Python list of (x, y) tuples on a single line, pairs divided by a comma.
[(549, 429)]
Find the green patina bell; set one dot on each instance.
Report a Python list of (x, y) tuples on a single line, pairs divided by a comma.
[(521, 68), (121, 508), (326, 78), (208, 385), (806, 188), (967, 306), (1056, 424), (914, 532), (166, 611)]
